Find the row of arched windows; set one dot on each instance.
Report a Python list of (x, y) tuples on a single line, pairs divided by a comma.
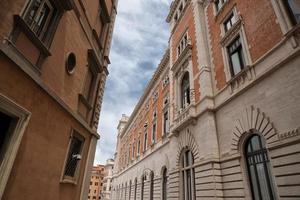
[(258, 167), (121, 191)]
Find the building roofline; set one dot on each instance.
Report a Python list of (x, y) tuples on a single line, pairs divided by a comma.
[(150, 84)]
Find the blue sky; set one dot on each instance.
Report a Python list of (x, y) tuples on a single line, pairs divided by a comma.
[(139, 41)]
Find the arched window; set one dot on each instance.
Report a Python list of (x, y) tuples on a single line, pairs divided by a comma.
[(164, 184), (129, 196), (187, 175), (258, 164), (185, 90), (125, 190), (142, 187), (135, 188), (151, 185)]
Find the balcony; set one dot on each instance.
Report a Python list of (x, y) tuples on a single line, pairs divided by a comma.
[(184, 116)]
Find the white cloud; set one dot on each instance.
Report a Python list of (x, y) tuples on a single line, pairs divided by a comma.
[(139, 41)]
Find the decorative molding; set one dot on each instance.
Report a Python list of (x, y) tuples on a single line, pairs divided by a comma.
[(252, 120), (16, 131), (232, 32), (246, 75), (187, 141), (184, 57), (289, 134)]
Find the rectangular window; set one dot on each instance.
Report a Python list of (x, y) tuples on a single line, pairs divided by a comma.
[(219, 4), (133, 150), (74, 155), (154, 133), (293, 8), (139, 147), (39, 15), (182, 44), (145, 141), (89, 79), (229, 22), (236, 57), (166, 123), (5, 124)]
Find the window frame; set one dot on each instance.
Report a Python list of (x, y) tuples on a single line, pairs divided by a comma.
[(17, 129), (51, 25), (185, 91), (185, 170), (182, 44), (236, 31), (145, 140), (290, 13), (262, 152), (64, 177), (241, 56), (164, 184)]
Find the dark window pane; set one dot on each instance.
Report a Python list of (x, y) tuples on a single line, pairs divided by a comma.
[(72, 161), (5, 123), (259, 173), (255, 143), (294, 7)]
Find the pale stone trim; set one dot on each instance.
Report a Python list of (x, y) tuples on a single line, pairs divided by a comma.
[(252, 121), (187, 140), (67, 179), (23, 116), (147, 153), (282, 16)]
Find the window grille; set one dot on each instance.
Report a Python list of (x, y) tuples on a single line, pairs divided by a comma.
[(39, 15), (258, 163), (74, 156)]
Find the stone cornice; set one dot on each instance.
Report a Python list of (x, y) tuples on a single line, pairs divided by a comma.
[(150, 85)]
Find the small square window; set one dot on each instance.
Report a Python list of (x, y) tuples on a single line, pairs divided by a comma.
[(229, 22)]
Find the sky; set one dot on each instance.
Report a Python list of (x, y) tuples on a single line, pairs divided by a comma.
[(140, 39)]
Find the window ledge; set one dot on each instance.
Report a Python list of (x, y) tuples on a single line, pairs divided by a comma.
[(68, 181), (228, 36), (294, 32), (19, 22), (85, 102), (247, 74)]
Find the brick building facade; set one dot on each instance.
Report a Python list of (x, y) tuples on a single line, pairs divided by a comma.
[(220, 117), (54, 57), (96, 183)]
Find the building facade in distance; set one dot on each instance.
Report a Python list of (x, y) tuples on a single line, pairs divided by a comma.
[(96, 183), (54, 57), (220, 117), (107, 180)]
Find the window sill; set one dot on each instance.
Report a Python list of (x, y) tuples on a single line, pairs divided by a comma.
[(20, 23), (247, 74), (68, 181), (85, 102), (294, 31)]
